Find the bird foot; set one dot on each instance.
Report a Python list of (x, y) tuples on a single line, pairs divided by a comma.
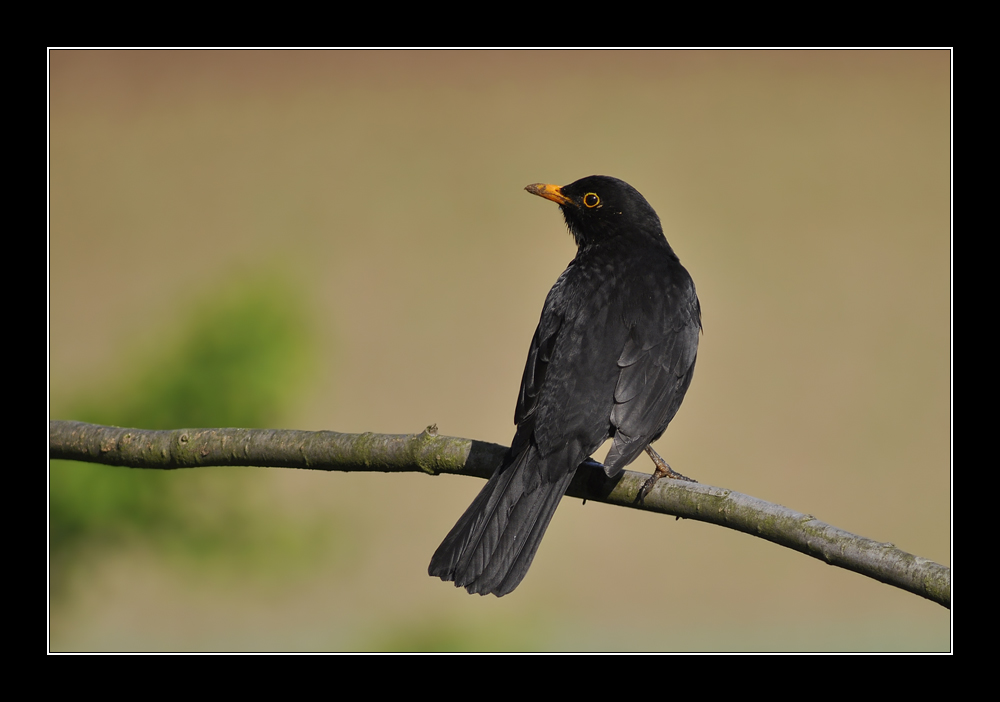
[(663, 470)]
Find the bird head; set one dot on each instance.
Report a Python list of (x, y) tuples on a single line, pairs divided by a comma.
[(599, 209)]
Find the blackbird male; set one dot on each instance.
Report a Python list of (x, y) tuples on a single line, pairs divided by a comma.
[(612, 356)]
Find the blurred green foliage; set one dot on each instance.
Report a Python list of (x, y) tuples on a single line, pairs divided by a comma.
[(451, 635), (239, 358)]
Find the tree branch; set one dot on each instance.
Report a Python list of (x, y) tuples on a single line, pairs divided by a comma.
[(429, 453)]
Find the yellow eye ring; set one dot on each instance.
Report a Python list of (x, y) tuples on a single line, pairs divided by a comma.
[(591, 200)]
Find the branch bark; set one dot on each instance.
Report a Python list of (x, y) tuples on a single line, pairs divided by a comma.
[(432, 454)]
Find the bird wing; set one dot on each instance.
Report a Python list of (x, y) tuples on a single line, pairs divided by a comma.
[(656, 365), (566, 396), (537, 364), (614, 353), (567, 391)]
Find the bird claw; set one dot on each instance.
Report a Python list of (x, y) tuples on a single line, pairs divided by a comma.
[(663, 470), (644, 490), (674, 475), (647, 486)]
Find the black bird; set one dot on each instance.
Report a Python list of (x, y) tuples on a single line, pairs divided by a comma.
[(612, 356)]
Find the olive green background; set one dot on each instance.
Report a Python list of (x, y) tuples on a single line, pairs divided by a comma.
[(340, 240)]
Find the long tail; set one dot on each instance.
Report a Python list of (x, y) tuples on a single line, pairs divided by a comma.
[(491, 547)]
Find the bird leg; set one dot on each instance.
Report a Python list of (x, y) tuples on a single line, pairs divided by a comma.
[(663, 470)]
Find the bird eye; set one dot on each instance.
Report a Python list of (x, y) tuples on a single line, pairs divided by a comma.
[(591, 200)]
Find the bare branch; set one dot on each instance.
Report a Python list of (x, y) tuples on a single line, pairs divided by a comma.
[(429, 453)]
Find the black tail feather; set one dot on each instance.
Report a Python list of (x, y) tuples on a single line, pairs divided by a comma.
[(491, 547)]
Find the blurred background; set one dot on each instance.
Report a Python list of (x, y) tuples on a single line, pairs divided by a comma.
[(340, 240)]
